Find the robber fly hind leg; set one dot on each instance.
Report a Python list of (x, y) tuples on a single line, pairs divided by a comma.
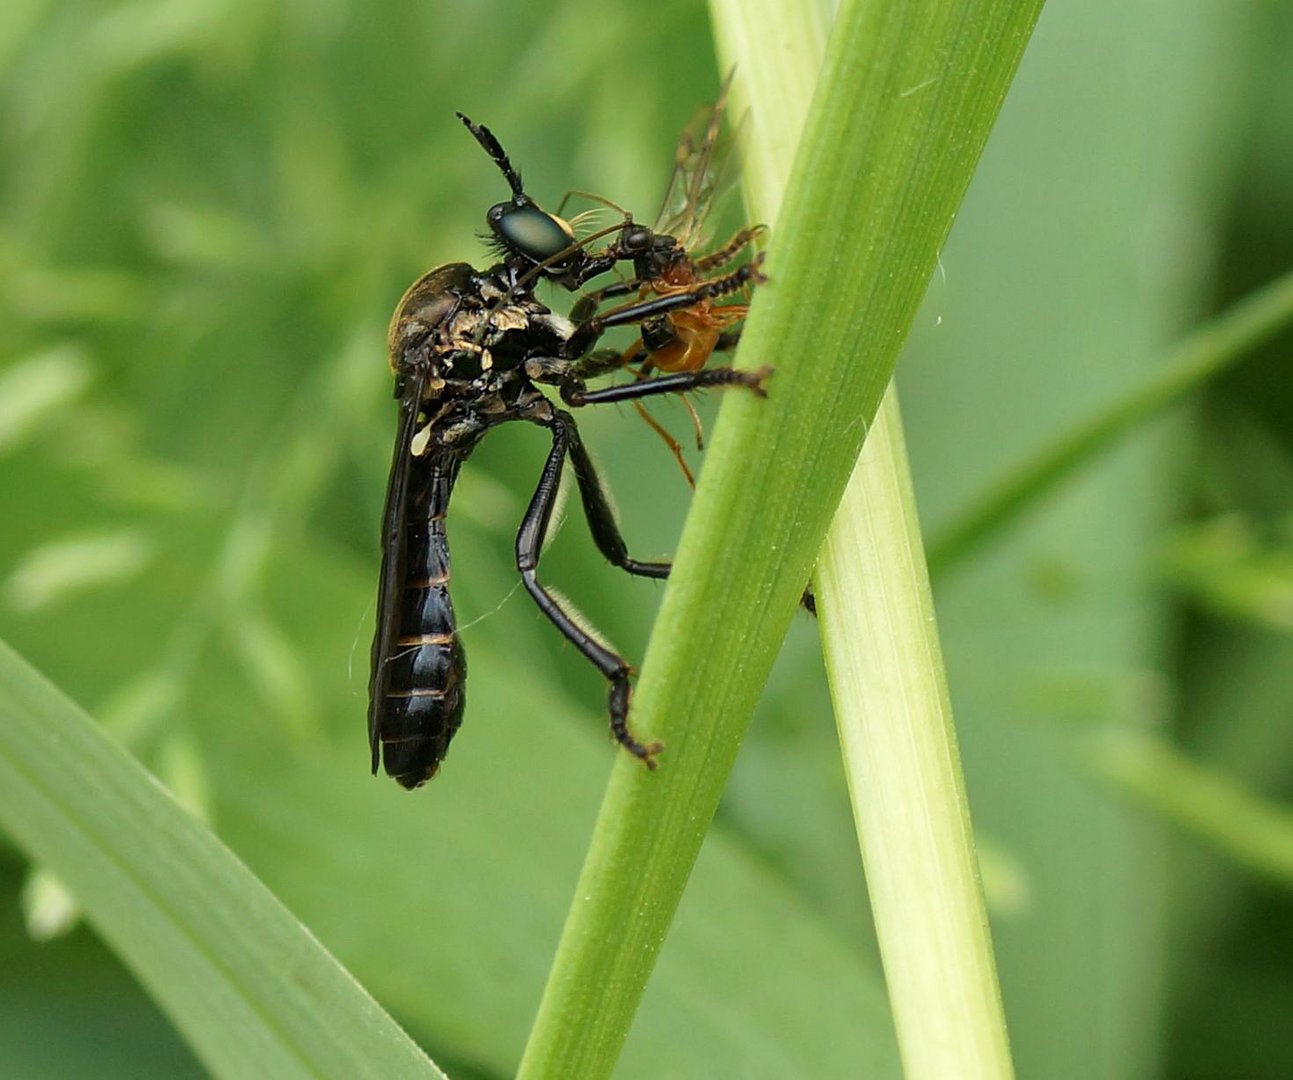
[(529, 545)]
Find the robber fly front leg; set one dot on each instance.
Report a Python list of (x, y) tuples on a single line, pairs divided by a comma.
[(573, 392), (589, 330)]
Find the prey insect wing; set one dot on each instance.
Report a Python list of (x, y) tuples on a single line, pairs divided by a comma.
[(676, 260), (700, 174)]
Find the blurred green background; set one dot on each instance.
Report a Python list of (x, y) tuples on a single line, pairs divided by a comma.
[(208, 211)]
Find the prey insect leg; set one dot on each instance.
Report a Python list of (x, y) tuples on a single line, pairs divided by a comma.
[(729, 251)]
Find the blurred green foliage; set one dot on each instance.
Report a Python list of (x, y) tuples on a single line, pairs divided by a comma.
[(208, 211)]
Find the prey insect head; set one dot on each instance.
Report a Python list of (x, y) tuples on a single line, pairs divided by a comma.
[(520, 226), (656, 254), (636, 239)]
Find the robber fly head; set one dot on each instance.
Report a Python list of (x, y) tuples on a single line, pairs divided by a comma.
[(520, 226)]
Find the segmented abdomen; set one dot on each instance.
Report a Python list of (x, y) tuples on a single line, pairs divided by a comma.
[(426, 675)]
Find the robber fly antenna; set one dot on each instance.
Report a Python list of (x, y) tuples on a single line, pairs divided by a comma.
[(490, 144)]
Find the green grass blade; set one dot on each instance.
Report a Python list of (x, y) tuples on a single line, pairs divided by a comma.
[(253, 992), (907, 97), (1206, 352), (905, 782)]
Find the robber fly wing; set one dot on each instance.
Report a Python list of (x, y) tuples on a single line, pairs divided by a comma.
[(394, 550)]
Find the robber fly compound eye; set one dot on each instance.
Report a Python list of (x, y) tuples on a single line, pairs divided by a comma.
[(531, 232)]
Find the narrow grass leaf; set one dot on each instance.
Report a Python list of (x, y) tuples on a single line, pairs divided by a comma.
[(1203, 801), (249, 987), (905, 782), (1205, 353)]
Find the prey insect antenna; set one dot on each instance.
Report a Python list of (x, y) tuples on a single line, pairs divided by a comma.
[(593, 197)]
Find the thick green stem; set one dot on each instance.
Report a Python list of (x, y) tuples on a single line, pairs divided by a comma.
[(913, 822)]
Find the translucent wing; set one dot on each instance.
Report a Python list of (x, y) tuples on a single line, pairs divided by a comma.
[(700, 173)]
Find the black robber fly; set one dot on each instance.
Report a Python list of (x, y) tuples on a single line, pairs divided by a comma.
[(469, 349)]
